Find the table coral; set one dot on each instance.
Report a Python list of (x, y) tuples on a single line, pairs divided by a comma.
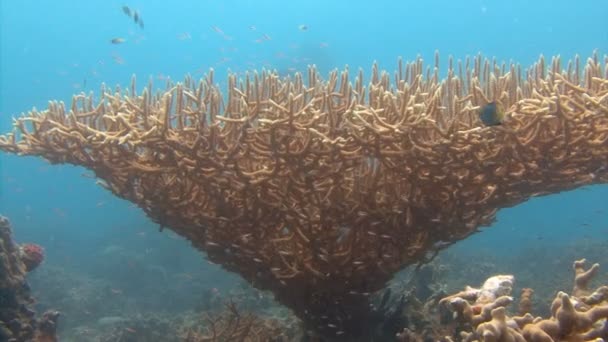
[(320, 191)]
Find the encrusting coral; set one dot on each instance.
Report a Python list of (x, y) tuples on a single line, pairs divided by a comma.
[(582, 316), (321, 190)]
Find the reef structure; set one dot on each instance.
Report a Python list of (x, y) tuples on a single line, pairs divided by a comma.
[(580, 316), (319, 191), (18, 321)]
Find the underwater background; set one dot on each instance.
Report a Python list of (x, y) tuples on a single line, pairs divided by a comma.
[(106, 264)]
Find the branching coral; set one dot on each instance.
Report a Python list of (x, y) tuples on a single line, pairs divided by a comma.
[(321, 190), (583, 316), (233, 325)]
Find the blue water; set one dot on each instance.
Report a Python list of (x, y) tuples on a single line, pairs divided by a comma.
[(53, 49)]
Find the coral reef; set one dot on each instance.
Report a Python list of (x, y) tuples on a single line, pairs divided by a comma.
[(580, 316), (319, 191), (18, 321)]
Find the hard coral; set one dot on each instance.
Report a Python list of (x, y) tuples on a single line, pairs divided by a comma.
[(320, 191), (233, 325), (573, 318), (525, 301)]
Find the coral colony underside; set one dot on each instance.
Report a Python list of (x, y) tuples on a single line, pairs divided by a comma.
[(415, 307)]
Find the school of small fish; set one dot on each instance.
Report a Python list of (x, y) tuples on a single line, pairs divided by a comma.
[(260, 37), (133, 14), (136, 16)]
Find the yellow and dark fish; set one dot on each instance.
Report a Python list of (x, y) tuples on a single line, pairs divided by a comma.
[(118, 40), (492, 114)]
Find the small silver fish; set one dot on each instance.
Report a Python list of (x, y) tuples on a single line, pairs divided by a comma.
[(118, 40), (343, 233)]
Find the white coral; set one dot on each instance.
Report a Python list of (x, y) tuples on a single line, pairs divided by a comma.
[(494, 287)]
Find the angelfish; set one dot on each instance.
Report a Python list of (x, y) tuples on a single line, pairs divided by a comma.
[(492, 114)]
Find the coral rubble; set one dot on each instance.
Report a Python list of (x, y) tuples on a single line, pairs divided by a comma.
[(320, 191), (18, 321), (580, 316)]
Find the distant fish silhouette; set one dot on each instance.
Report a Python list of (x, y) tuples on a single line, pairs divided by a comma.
[(126, 10), (133, 14)]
